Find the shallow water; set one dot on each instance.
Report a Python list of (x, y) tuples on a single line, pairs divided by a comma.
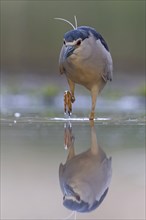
[(33, 148)]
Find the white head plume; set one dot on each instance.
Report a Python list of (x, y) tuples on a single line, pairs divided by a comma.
[(74, 27)]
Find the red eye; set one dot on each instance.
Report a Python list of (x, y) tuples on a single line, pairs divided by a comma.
[(78, 42), (78, 198)]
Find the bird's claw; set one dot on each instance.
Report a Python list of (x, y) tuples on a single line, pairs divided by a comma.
[(72, 99), (68, 102)]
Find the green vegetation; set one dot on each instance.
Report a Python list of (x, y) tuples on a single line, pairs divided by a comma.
[(50, 91), (142, 91)]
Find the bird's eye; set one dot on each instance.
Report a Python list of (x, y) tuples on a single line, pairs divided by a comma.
[(79, 42), (78, 198), (64, 42)]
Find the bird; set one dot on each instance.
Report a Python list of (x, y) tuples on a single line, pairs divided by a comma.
[(85, 177), (85, 59)]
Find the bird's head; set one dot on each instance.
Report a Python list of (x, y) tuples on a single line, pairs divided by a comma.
[(76, 202), (82, 39), (76, 40)]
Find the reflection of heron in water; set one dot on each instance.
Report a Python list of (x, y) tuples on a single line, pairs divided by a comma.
[(84, 178)]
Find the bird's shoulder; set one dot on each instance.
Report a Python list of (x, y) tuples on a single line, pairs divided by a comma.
[(61, 61), (96, 35)]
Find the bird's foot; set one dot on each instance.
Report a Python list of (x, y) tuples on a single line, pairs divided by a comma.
[(91, 123), (67, 103), (92, 115), (68, 136), (72, 99)]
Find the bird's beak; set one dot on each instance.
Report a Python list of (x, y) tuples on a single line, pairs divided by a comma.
[(68, 51)]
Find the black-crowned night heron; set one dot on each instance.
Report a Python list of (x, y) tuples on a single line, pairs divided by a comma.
[(84, 178), (85, 59)]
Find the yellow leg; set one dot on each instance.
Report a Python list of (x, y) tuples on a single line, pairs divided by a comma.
[(94, 93), (69, 141), (67, 102), (92, 115), (72, 89)]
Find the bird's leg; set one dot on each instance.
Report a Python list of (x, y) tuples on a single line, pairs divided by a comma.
[(71, 150), (72, 88), (69, 97), (67, 102), (69, 140), (94, 93), (94, 143)]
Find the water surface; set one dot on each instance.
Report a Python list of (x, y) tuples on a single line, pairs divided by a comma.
[(33, 148)]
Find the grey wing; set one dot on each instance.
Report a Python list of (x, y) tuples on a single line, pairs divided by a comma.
[(108, 71), (61, 179), (105, 58), (61, 61), (104, 177)]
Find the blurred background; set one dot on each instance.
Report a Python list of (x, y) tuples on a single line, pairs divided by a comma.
[(32, 148), (30, 45)]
